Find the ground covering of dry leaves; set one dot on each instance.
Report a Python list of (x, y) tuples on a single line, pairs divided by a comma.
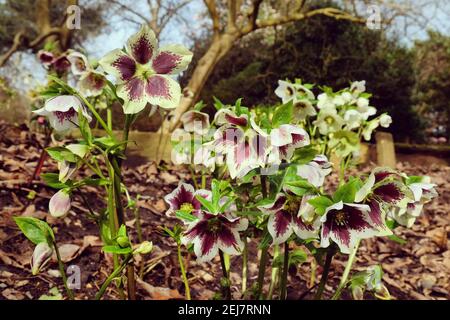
[(419, 269)]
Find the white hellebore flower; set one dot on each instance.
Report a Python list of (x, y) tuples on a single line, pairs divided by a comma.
[(62, 112), (195, 121), (302, 109), (385, 120), (325, 101), (316, 170), (285, 90), (352, 119), (328, 121), (59, 204), (358, 87)]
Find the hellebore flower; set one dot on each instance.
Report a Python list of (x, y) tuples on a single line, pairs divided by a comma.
[(41, 256), (242, 141), (211, 233), (144, 72), (91, 82), (352, 119), (328, 121), (195, 121), (364, 109), (184, 198), (59, 204), (369, 128), (287, 138), (62, 112), (286, 91), (285, 219), (205, 157), (302, 109), (422, 192), (315, 171), (292, 91), (325, 101), (385, 120), (358, 87), (60, 64), (345, 223), (378, 191), (67, 168)]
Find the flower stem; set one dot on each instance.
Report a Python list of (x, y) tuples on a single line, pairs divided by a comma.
[(275, 273), (226, 286), (96, 115), (244, 266), (326, 271), (346, 273), (63, 273), (284, 276), (261, 273), (113, 275), (183, 273)]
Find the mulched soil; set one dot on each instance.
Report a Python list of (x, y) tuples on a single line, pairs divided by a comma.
[(419, 269)]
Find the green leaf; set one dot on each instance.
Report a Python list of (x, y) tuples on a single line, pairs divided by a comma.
[(320, 203), (52, 180), (35, 230), (265, 241), (218, 104), (185, 215), (297, 257), (95, 182), (346, 193), (397, 239), (85, 130), (305, 154), (117, 249), (61, 154), (283, 114), (207, 204)]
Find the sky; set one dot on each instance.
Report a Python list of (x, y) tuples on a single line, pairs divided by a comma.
[(175, 32)]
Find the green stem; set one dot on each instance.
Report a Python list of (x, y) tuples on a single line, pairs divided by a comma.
[(62, 271), (326, 271), (183, 273), (261, 273), (244, 266), (109, 117), (96, 115), (284, 276), (346, 273), (194, 177), (226, 285), (274, 275), (113, 275)]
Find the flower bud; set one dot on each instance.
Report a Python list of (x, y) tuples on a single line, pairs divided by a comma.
[(144, 248), (41, 255), (383, 293), (123, 241), (59, 204), (357, 293)]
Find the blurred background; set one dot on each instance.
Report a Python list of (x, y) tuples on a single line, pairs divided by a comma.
[(401, 48)]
